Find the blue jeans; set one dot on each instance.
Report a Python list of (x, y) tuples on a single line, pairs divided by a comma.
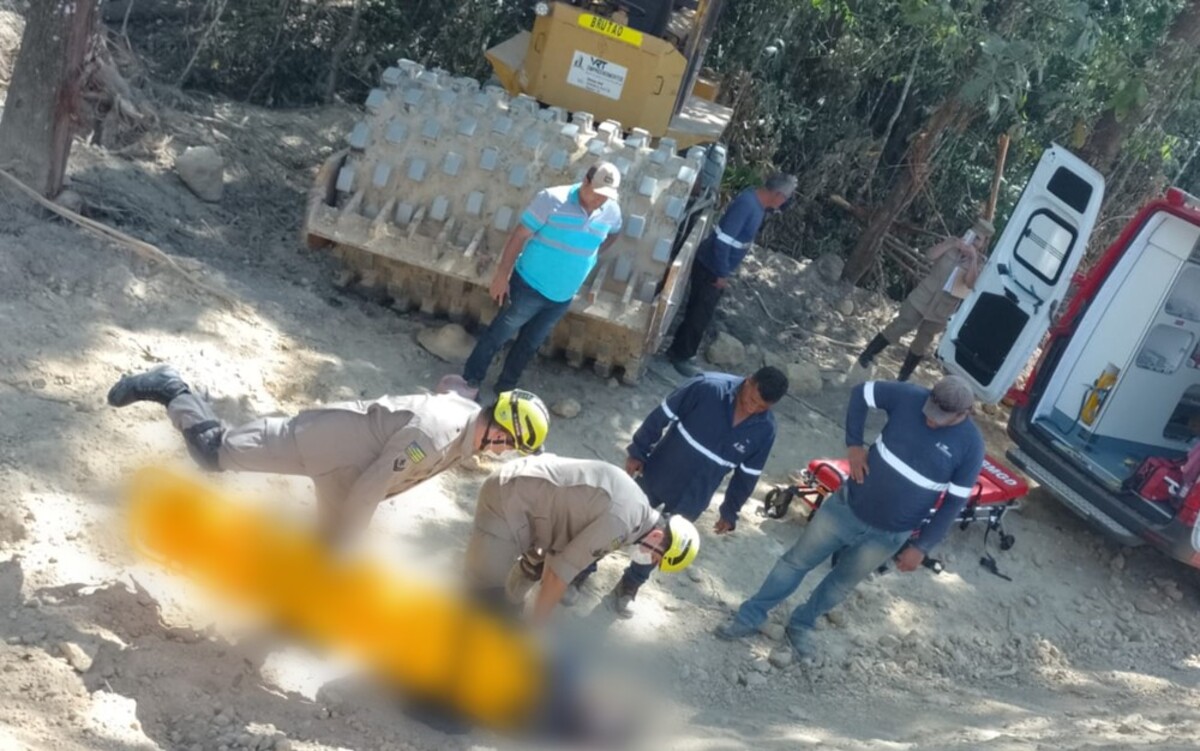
[(526, 311), (832, 528)]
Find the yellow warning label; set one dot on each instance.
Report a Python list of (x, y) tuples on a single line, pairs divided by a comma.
[(611, 29)]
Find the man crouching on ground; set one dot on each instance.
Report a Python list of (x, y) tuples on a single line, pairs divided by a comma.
[(546, 518)]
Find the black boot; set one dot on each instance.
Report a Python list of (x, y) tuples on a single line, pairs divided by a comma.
[(911, 362), (161, 384), (877, 345)]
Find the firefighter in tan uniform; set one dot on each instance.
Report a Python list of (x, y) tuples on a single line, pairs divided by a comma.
[(956, 266), (356, 453), (546, 518)]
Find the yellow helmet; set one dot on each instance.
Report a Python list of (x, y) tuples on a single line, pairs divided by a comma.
[(682, 547), (525, 417)]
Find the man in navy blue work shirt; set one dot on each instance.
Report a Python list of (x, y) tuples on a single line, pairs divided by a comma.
[(717, 258), (710, 426), (929, 447)]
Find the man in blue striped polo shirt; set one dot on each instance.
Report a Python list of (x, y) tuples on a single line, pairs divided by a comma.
[(929, 446), (717, 258), (544, 263)]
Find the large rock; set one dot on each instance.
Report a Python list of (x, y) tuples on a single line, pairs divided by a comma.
[(76, 656), (70, 200), (804, 379), (830, 266), (567, 408), (203, 170), (451, 343), (726, 350)]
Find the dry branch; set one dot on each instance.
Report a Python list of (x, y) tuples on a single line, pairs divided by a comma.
[(141, 248)]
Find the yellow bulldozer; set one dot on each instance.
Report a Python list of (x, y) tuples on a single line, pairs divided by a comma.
[(437, 172)]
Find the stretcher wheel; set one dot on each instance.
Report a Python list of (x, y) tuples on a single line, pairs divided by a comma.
[(778, 500), (1007, 541)]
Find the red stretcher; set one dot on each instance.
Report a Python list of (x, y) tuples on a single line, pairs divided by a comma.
[(997, 490)]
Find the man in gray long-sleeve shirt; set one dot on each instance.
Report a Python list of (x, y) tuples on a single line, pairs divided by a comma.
[(356, 453)]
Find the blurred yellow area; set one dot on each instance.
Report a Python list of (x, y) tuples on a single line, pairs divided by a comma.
[(431, 644)]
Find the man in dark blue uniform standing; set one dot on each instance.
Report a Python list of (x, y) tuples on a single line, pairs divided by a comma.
[(928, 447), (718, 257), (710, 426)]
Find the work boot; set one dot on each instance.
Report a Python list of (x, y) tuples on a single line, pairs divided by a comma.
[(800, 640), (160, 384), (622, 601), (867, 356), (732, 630), (686, 367), (911, 362)]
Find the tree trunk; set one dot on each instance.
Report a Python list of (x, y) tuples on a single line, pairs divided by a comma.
[(912, 178), (339, 51), (43, 98)]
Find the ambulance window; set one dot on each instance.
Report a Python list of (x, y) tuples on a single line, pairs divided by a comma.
[(1165, 348), (1184, 300), (1072, 189), (1044, 245), (1184, 423)]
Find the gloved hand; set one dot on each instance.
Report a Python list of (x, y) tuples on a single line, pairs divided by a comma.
[(526, 572)]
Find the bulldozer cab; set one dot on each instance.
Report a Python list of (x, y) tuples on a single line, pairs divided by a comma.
[(637, 62)]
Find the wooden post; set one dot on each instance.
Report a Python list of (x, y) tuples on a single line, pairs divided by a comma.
[(989, 211), (43, 98)]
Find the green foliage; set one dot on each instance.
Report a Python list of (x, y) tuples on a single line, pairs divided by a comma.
[(832, 90), (279, 52)]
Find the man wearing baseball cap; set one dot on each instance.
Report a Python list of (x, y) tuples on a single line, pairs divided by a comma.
[(928, 447), (544, 263)]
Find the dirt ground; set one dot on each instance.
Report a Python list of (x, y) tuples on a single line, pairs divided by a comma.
[(1088, 647)]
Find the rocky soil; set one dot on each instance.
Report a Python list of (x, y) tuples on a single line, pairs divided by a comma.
[(1089, 647)]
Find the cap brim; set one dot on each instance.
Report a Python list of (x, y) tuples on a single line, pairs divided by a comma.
[(936, 413), (609, 193)]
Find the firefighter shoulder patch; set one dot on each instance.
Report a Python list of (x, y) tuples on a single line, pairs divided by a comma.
[(415, 453)]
